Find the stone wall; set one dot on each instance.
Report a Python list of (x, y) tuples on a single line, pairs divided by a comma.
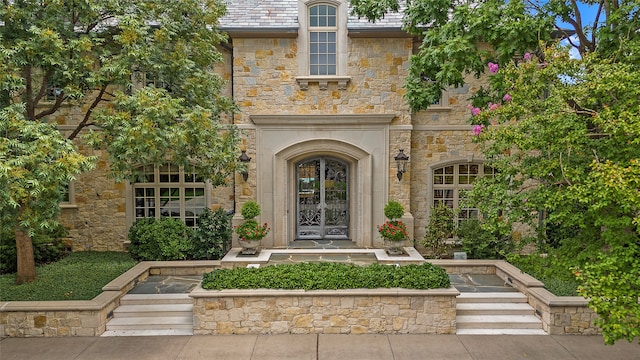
[(378, 311), (563, 315)]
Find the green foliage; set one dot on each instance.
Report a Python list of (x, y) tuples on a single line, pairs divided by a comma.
[(328, 276), (47, 247), (481, 243), (212, 238), (440, 231), (393, 230), (161, 239), (549, 268), (451, 31), (572, 150), (164, 98), (250, 210), (252, 230), (393, 210), (79, 276)]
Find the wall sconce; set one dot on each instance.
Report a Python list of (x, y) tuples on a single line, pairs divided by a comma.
[(245, 159), (401, 163)]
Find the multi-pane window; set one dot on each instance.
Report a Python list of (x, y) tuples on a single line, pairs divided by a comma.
[(152, 80), (322, 40), (169, 192), (450, 182)]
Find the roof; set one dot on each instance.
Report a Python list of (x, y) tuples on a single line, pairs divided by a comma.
[(283, 14)]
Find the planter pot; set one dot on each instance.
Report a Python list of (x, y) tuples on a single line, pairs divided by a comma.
[(249, 247), (394, 247)]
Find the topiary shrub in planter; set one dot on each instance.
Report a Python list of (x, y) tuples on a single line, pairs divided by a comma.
[(161, 239), (250, 232), (393, 231), (212, 238)]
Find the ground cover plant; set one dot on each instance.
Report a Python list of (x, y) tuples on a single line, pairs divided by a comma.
[(328, 276), (556, 276), (79, 276)]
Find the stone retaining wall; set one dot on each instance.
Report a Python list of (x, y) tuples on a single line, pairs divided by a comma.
[(560, 315), (360, 311), (86, 318)]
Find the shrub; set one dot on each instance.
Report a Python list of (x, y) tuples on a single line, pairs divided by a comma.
[(212, 238), (250, 210), (480, 243), (393, 210), (550, 269), (328, 276), (47, 247), (162, 239), (440, 231)]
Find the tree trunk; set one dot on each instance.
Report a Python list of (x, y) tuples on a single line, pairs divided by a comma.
[(24, 253)]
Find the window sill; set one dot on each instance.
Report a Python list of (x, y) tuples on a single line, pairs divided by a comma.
[(437, 108), (68, 206), (323, 81)]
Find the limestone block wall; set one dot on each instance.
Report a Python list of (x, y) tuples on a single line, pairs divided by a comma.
[(383, 311), (563, 315)]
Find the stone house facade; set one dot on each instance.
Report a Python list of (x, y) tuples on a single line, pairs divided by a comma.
[(320, 94)]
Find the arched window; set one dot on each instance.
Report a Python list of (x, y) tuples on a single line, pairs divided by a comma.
[(450, 181), (170, 192), (323, 31)]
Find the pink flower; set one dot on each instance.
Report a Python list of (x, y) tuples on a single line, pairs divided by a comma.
[(527, 56), (477, 129), (475, 111), (506, 98), (493, 106), (493, 68)]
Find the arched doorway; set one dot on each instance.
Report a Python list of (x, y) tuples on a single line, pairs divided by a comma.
[(322, 200)]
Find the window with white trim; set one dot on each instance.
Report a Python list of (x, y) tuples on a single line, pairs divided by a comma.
[(323, 31), (322, 43), (170, 192), (450, 182)]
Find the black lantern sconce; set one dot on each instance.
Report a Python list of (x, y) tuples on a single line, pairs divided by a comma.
[(245, 159), (401, 163)]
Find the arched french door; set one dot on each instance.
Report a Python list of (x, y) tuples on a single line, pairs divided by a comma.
[(322, 205)]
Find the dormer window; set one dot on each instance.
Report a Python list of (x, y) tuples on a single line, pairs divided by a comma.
[(322, 40), (322, 47)]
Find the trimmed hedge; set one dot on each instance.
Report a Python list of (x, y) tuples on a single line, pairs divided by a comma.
[(328, 276)]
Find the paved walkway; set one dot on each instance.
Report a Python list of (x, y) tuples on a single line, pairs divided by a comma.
[(321, 347)]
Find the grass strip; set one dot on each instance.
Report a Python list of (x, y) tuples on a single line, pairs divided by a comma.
[(78, 276)]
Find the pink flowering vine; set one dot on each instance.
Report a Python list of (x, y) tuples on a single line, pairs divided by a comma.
[(527, 56), (475, 111), (493, 106), (506, 98), (493, 68), (477, 129)]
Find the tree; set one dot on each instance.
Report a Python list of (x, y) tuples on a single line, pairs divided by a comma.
[(36, 163), (561, 131), (139, 74), (452, 30)]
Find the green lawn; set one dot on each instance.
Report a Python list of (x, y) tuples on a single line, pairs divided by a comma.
[(79, 276)]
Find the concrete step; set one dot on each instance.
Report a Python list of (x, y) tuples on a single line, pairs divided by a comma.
[(151, 323), (494, 309), (168, 332), (153, 310), (150, 299), (492, 297), (498, 322), (500, 332)]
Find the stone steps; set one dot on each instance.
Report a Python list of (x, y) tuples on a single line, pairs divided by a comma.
[(152, 315), (496, 314)]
